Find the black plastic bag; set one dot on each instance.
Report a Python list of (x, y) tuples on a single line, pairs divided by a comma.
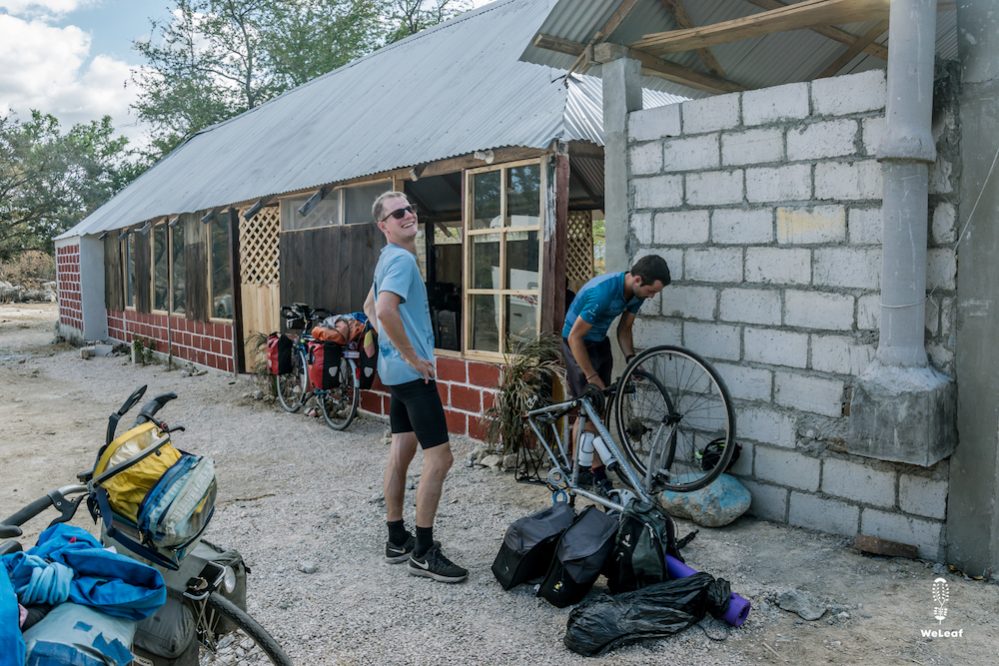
[(606, 622)]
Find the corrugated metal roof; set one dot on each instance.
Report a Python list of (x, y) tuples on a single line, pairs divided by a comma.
[(447, 91)]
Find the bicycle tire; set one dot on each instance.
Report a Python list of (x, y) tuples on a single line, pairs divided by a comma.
[(247, 631), (339, 405), (292, 386), (689, 401)]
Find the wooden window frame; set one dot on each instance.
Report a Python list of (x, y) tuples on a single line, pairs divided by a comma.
[(128, 252), (468, 242), (223, 215), (152, 267)]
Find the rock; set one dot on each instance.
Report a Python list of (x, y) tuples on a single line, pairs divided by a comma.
[(258, 395), (721, 502), (87, 353), (308, 567), (492, 461), (805, 605), (510, 462)]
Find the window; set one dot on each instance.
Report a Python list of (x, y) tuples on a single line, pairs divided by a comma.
[(504, 256), (128, 253), (357, 200), (324, 213), (161, 267), (178, 274), (221, 268)]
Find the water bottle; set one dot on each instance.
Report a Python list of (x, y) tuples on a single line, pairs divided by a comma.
[(586, 450), (605, 455)]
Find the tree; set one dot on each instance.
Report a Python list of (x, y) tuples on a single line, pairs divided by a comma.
[(412, 16), (49, 180)]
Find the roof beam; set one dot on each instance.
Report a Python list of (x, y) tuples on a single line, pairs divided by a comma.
[(655, 66), (679, 12), (583, 60), (831, 32), (792, 17), (853, 51)]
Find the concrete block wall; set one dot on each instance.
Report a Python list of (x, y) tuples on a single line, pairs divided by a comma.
[(766, 205), (67, 260)]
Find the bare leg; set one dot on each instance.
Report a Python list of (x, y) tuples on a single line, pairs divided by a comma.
[(401, 453), (436, 463)]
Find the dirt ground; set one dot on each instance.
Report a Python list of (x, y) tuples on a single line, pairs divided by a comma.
[(303, 504)]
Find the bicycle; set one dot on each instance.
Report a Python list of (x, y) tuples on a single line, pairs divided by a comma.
[(670, 406), (224, 633), (338, 405)]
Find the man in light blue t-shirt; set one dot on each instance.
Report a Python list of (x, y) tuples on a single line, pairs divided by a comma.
[(397, 307)]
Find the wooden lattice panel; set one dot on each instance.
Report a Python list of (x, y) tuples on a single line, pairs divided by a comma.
[(258, 247), (579, 258)]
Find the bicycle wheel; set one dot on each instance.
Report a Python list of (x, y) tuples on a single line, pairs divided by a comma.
[(339, 405), (248, 643), (292, 386), (670, 405)]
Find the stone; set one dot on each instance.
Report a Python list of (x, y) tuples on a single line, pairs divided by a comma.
[(803, 604), (87, 353), (308, 567), (492, 461), (718, 504), (510, 462), (877, 546)]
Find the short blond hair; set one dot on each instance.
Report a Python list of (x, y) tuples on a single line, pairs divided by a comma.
[(378, 207)]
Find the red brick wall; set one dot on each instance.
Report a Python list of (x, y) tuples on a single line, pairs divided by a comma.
[(204, 343), (467, 389), (68, 285)]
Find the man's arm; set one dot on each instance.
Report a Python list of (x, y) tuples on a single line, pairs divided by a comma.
[(578, 348), (369, 309), (624, 334), (387, 309)]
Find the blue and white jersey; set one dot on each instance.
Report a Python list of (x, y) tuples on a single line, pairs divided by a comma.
[(398, 272), (598, 303)]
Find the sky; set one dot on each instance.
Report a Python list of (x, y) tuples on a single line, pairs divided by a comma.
[(73, 58)]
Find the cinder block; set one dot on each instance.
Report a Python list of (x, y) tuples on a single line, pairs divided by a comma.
[(932, 317), (944, 223), (713, 264), (873, 131), (811, 224), (744, 465), (658, 192), (865, 226), (858, 482), (778, 266), (769, 502), (752, 306), (682, 227), (857, 268), (941, 358), (654, 124), (848, 180), (714, 188), (813, 309), (713, 340), (946, 316), (741, 226), (783, 183), (655, 331), (853, 93), (765, 425), (745, 383), (922, 496), (824, 515), (776, 347), (923, 534), (869, 312), (690, 302), (941, 269), (757, 146), (834, 138), (686, 154), (767, 105), (840, 354), (646, 158), (817, 395), (941, 173), (710, 114), (673, 257), (641, 226), (787, 468)]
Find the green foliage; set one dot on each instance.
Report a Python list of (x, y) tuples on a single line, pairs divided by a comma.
[(50, 180), (411, 16), (142, 350), (528, 375)]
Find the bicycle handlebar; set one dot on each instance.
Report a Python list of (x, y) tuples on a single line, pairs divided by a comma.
[(56, 498), (148, 411)]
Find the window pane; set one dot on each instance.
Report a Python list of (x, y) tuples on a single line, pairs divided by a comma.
[(178, 275), (486, 200), (523, 196), (161, 278), (221, 271), (322, 214), (485, 323), (357, 201), (522, 317), (522, 260), (130, 270), (485, 262)]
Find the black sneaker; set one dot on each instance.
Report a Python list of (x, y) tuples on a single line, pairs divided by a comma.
[(397, 554), (434, 565)]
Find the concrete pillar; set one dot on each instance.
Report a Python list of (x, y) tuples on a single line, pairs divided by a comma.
[(902, 409), (973, 502), (622, 94), (95, 313)]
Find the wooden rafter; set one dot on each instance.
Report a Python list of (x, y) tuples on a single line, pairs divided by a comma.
[(853, 51), (583, 60), (829, 31), (805, 14), (679, 12)]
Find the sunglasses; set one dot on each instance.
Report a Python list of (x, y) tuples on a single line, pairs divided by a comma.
[(399, 213)]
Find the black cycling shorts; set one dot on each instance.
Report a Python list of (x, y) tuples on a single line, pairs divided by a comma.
[(416, 407), (601, 359)]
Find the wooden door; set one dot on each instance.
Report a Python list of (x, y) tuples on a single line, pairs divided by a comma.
[(259, 280)]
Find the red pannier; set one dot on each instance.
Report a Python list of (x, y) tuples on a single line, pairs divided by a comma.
[(279, 354), (324, 364)]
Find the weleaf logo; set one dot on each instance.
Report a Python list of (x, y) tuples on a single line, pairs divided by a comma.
[(941, 594)]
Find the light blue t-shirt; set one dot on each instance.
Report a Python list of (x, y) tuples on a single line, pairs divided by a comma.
[(598, 302), (398, 273)]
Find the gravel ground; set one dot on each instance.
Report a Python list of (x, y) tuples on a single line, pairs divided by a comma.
[(295, 496)]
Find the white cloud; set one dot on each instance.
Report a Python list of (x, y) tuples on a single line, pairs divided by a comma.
[(49, 7), (50, 68)]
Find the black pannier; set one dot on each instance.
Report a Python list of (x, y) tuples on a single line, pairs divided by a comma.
[(529, 545), (579, 557)]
